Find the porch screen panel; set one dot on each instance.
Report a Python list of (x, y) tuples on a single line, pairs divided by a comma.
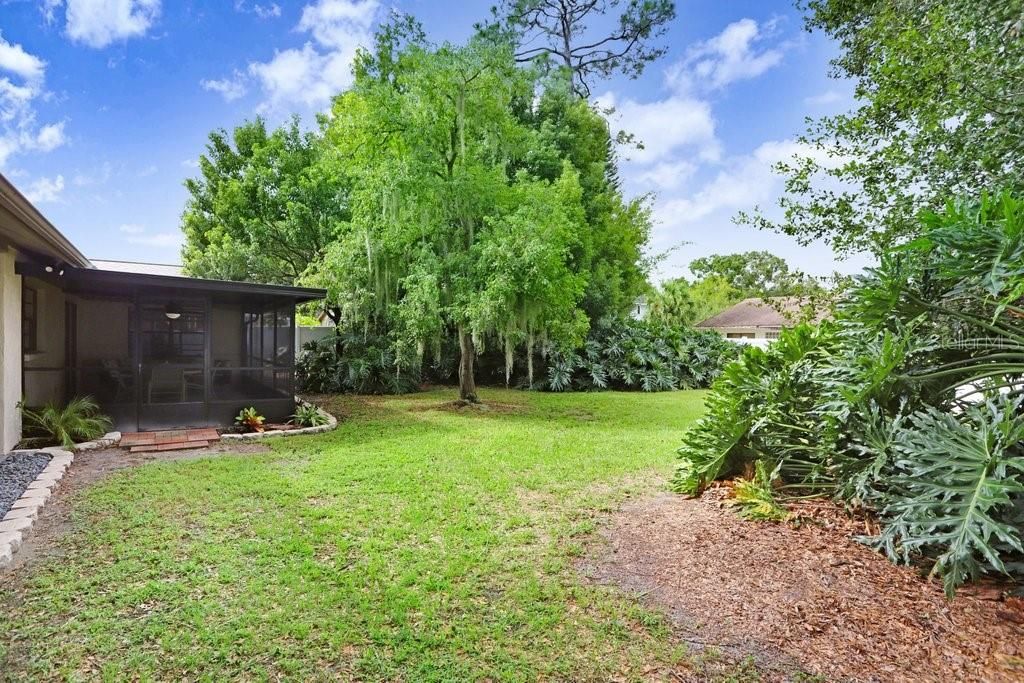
[(252, 354), (104, 338), (172, 347)]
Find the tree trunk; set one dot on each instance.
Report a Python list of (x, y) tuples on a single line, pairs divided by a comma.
[(467, 385)]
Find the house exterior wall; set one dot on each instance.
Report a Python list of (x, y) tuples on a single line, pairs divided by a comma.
[(44, 376), (753, 336), (10, 352)]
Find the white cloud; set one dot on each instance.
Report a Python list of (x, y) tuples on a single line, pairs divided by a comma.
[(148, 171), (137, 234), (97, 176), (49, 9), (50, 137), (229, 88), (190, 163), (743, 183), (701, 218), (312, 75), (728, 57), (267, 11), (159, 239), (14, 59), (22, 77), (45, 190), (825, 98), (98, 23), (667, 175), (665, 127)]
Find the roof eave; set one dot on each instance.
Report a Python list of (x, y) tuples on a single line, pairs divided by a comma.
[(113, 277), (15, 202)]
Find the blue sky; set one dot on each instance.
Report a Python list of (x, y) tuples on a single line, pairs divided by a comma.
[(106, 104)]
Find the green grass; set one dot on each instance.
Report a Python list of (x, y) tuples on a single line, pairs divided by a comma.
[(414, 543)]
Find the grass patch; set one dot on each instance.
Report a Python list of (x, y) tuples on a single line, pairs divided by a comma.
[(416, 542)]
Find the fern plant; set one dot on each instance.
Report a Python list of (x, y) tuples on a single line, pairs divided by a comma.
[(79, 420)]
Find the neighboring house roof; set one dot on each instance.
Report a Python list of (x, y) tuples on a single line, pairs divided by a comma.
[(140, 268), (755, 312), (24, 226)]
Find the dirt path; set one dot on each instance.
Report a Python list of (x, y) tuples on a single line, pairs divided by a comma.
[(87, 469), (802, 600)]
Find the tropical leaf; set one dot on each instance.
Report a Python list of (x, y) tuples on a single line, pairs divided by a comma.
[(958, 475)]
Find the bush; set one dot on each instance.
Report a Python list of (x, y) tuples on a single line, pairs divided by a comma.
[(80, 420), (250, 419), (909, 404), (307, 415), (354, 363), (634, 355)]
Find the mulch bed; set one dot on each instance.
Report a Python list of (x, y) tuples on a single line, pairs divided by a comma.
[(803, 598), (17, 471)]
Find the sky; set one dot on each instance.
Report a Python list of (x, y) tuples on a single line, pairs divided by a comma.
[(105, 106)]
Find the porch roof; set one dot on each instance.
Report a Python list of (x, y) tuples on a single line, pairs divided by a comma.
[(74, 278)]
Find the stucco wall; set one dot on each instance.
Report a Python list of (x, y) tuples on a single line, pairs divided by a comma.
[(10, 352), (44, 370)]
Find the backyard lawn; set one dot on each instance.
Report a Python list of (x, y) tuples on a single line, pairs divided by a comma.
[(419, 541)]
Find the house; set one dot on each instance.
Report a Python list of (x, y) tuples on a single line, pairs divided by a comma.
[(640, 308), (155, 349), (755, 320)]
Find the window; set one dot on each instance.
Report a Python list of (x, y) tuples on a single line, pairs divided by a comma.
[(739, 335), (29, 319), (771, 334)]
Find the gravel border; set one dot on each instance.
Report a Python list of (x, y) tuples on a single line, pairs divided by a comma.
[(332, 424), (17, 523), (17, 471)]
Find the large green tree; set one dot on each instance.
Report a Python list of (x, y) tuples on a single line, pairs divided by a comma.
[(610, 250), (939, 88), (711, 296), (753, 273), (263, 208), (447, 237)]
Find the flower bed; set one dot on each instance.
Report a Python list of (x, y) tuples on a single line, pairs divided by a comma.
[(285, 430)]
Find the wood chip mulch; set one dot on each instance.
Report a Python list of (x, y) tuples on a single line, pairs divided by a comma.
[(803, 598)]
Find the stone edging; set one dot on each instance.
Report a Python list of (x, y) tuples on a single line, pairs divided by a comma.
[(17, 523), (332, 423), (109, 439)]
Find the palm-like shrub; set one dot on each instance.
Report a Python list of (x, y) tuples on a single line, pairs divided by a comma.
[(909, 403), (79, 420), (355, 363), (634, 355), (308, 415)]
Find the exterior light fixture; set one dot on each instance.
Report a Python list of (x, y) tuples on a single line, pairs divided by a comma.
[(172, 311), (48, 269)]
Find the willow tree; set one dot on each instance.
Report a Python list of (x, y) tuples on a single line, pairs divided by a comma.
[(446, 238)]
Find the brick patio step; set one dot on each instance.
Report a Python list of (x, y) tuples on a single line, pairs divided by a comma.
[(168, 436), (172, 446)]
